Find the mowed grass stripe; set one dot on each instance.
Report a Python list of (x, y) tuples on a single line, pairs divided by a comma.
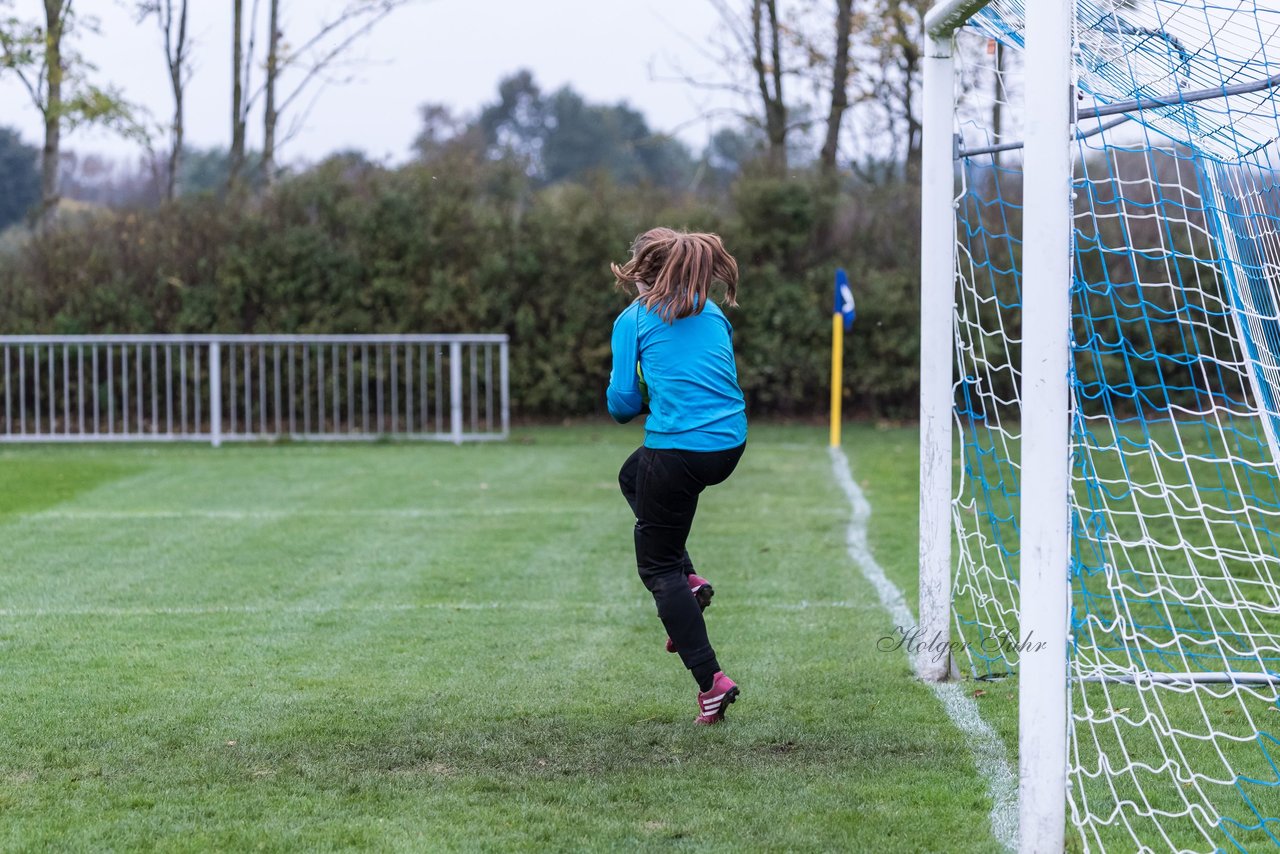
[(197, 610), (147, 516), (296, 559), (349, 705)]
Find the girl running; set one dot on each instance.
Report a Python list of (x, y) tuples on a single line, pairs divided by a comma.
[(673, 349)]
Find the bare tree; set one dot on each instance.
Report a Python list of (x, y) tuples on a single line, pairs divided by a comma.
[(270, 113), (310, 62), (239, 73), (760, 50), (892, 79), (173, 27), (244, 40), (55, 80), (56, 13), (839, 86), (766, 61)]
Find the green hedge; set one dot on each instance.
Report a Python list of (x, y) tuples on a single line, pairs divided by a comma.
[(472, 246)]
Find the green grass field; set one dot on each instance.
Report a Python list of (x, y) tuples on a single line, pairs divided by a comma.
[(435, 648)]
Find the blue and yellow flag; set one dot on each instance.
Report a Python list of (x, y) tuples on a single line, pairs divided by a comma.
[(844, 299), (842, 310)]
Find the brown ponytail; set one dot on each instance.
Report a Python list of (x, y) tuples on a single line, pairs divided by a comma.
[(678, 268)]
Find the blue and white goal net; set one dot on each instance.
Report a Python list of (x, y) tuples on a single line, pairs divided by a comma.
[(1175, 409)]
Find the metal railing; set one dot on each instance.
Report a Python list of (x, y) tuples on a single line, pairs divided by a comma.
[(218, 388)]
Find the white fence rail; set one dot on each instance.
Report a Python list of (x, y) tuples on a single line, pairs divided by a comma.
[(218, 388)]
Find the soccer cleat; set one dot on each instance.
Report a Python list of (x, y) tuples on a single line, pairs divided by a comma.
[(702, 591), (712, 703)]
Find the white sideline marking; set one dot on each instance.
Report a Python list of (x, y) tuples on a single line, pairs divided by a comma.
[(987, 748)]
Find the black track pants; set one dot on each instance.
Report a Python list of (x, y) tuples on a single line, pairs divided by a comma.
[(662, 487)]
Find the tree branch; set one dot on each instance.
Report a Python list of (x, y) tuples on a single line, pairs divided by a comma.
[(323, 62), (15, 53)]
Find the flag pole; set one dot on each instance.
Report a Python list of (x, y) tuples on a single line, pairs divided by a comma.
[(837, 375), (842, 315)]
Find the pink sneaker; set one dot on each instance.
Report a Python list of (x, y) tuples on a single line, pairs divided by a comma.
[(702, 591), (711, 704)]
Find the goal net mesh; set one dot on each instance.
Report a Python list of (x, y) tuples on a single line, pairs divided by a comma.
[(1174, 654)]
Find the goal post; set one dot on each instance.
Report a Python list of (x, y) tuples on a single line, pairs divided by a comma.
[(1045, 447), (1100, 405), (937, 288), (1046, 319)]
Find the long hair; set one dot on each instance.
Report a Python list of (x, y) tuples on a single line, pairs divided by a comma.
[(678, 267)]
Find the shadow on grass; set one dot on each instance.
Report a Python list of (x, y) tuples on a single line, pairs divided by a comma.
[(28, 485)]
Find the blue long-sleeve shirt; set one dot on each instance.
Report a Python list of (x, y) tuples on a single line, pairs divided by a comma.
[(695, 403)]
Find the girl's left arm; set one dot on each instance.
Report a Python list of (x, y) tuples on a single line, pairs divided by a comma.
[(623, 395)]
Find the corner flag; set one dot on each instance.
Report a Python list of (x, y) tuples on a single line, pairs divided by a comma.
[(844, 299), (842, 315)]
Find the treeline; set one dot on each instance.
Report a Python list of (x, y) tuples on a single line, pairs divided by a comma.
[(463, 242), (506, 220)]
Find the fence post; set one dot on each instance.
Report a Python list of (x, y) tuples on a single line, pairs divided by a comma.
[(215, 393), (506, 388), (455, 391)]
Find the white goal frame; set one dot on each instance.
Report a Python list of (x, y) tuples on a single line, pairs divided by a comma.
[(1037, 392), (1045, 445)]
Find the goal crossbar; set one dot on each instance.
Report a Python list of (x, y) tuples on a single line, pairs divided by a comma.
[(1133, 105)]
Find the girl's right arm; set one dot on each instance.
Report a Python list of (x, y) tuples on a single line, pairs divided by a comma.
[(623, 395)]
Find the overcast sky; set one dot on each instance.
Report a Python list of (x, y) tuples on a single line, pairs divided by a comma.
[(446, 51)]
